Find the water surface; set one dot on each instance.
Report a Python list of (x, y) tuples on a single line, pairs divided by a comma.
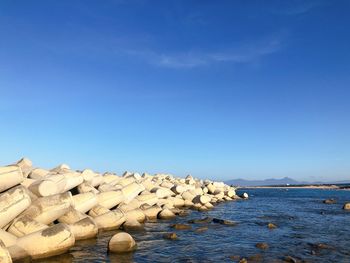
[(301, 217)]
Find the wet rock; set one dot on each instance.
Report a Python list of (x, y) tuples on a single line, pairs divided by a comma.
[(200, 221), (201, 229), (243, 260), (290, 259), (171, 236), (255, 258), (181, 226), (330, 201), (224, 222), (271, 226), (235, 257), (183, 213), (346, 206), (121, 243), (319, 246), (262, 245), (244, 196)]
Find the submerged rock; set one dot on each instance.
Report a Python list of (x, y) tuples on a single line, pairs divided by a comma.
[(290, 259), (201, 229), (121, 243), (330, 201), (262, 245), (224, 222), (346, 206), (255, 258), (200, 221), (271, 226), (171, 236), (181, 226)]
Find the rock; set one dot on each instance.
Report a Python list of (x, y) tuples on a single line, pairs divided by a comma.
[(201, 229), (321, 246), (330, 201), (262, 245), (271, 226), (244, 196), (243, 260), (346, 206), (181, 226), (235, 257), (224, 222), (290, 259), (121, 243), (171, 236), (200, 221), (255, 258)]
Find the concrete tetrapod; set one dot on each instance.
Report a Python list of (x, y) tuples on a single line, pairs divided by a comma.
[(47, 209), (52, 241), (84, 228), (25, 225), (43, 188), (110, 199), (84, 202), (110, 220), (7, 238), (121, 243), (12, 203), (4, 254), (10, 176)]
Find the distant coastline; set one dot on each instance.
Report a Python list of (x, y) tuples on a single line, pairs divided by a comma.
[(310, 186)]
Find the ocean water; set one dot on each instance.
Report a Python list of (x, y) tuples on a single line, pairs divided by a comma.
[(302, 220)]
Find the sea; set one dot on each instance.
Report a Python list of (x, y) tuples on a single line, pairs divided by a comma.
[(307, 230)]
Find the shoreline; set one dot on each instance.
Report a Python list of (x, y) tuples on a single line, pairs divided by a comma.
[(330, 187)]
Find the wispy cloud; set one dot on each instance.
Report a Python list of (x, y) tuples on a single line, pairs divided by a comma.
[(243, 53), (298, 7)]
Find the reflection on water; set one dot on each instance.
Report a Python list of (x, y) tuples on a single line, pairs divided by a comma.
[(302, 220)]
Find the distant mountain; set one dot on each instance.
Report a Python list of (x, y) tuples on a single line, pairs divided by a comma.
[(282, 181)]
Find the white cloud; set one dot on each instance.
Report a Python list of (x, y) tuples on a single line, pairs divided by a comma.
[(243, 53)]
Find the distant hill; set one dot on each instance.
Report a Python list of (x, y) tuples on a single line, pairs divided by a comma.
[(282, 181)]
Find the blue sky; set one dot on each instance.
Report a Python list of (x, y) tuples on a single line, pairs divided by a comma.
[(218, 89)]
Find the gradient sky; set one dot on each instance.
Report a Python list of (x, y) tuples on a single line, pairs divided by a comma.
[(218, 89)]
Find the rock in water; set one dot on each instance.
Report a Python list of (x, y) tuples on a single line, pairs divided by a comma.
[(271, 226), (181, 227), (201, 229), (346, 206), (262, 246), (200, 221), (245, 196), (330, 201), (224, 222), (171, 236), (121, 243)]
